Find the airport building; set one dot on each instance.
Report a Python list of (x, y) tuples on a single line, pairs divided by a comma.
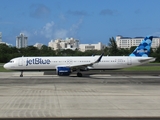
[(21, 41), (3, 42), (128, 42), (84, 47), (1, 39), (68, 43)]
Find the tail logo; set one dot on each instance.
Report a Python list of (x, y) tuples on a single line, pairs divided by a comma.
[(143, 49)]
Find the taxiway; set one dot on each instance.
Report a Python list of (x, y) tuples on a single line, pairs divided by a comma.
[(101, 95)]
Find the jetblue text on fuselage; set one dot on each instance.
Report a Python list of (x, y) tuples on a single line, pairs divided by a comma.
[(37, 61)]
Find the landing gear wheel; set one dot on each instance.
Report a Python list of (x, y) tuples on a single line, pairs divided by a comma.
[(21, 75), (79, 74)]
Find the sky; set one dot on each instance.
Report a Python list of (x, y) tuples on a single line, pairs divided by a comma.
[(89, 21)]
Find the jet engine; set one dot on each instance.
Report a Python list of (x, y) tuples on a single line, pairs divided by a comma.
[(63, 71)]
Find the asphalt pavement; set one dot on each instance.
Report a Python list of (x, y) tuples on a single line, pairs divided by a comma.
[(100, 96)]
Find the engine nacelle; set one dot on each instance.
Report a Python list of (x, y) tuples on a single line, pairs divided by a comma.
[(63, 71)]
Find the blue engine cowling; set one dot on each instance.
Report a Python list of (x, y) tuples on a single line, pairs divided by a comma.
[(63, 71)]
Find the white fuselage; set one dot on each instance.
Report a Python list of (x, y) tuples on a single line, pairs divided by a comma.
[(50, 63)]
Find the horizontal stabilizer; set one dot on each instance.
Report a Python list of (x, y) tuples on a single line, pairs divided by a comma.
[(147, 60)]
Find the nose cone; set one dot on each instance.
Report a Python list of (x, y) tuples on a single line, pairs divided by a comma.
[(6, 66)]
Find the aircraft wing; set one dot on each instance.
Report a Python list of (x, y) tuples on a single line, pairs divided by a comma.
[(84, 65), (89, 64)]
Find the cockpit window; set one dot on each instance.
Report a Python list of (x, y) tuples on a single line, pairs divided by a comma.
[(11, 61)]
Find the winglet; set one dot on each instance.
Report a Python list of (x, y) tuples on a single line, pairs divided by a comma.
[(143, 49), (99, 59)]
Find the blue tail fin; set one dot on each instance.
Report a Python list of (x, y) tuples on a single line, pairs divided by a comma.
[(143, 49)]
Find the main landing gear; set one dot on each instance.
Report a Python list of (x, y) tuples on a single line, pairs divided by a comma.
[(79, 74), (21, 75)]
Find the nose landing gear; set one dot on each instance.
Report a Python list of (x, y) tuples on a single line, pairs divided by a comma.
[(21, 75)]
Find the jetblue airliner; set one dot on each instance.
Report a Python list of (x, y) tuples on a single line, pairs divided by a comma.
[(64, 66)]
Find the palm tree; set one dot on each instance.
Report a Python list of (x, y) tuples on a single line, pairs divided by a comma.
[(113, 49)]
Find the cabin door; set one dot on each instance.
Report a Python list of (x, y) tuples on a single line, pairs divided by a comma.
[(20, 61), (129, 61)]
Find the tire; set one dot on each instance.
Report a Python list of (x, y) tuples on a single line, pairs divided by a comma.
[(79, 74)]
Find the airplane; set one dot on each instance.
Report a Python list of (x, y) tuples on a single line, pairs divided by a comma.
[(65, 65)]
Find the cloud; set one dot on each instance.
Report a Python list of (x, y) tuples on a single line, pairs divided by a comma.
[(77, 13), (39, 11), (108, 12), (62, 17), (48, 30), (70, 32), (61, 33), (26, 33), (51, 30), (75, 27)]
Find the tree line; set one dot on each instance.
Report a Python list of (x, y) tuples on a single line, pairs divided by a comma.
[(8, 52)]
